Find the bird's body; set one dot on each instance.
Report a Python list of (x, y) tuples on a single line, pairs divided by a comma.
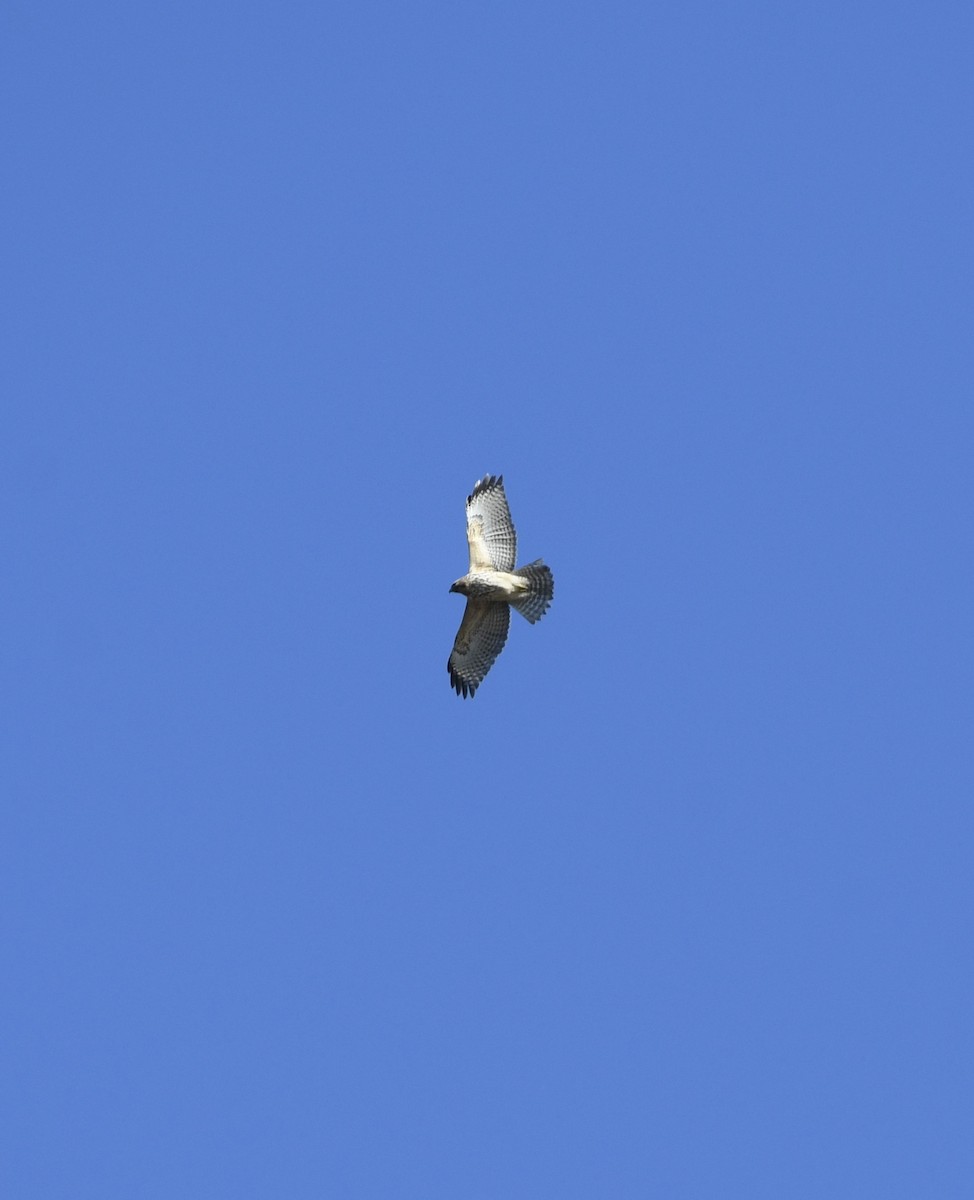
[(492, 586)]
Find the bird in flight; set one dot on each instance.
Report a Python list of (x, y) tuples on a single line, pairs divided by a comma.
[(492, 586)]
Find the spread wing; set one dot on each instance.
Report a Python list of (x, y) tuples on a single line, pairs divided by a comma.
[(490, 530), (480, 638)]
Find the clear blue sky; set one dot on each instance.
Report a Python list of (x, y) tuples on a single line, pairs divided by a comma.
[(681, 904)]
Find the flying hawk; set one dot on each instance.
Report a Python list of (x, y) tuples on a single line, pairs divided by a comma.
[(492, 586)]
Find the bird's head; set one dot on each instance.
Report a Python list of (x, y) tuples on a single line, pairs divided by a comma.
[(459, 586)]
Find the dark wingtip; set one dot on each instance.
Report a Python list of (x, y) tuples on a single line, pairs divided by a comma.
[(463, 688), (485, 485)]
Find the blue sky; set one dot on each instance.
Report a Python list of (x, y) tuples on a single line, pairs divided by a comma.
[(680, 905)]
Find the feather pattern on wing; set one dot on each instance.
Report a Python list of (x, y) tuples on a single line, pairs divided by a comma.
[(479, 640), (490, 530)]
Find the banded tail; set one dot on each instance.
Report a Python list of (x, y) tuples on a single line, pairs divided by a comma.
[(533, 603)]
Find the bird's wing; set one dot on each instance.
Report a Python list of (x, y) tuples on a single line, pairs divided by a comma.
[(490, 530), (480, 638)]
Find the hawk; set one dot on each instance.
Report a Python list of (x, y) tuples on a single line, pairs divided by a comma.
[(492, 586)]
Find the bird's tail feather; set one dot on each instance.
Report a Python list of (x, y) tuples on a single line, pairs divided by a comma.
[(533, 603)]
